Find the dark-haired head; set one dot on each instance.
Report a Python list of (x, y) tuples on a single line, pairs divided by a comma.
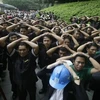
[(91, 49), (80, 55), (13, 36), (63, 52), (47, 40), (24, 44), (24, 30), (23, 49), (92, 44), (79, 62)]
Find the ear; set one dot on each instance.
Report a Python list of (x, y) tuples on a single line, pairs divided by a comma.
[(87, 49)]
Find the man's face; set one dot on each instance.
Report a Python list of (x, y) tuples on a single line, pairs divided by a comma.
[(62, 53), (13, 38), (92, 50), (79, 63), (23, 51)]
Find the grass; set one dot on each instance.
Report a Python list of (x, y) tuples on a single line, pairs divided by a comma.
[(67, 10)]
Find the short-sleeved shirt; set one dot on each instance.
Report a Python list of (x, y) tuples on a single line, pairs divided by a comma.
[(43, 58), (84, 74), (24, 68)]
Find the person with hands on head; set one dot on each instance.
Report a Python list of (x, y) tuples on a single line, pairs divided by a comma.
[(93, 83), (4, 41), (81, 69), (79, 72), (44, 45), (24, 60)]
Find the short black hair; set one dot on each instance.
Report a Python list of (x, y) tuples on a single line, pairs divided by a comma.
[(79, 55), (23, 26), (92, 44), (63, 49)]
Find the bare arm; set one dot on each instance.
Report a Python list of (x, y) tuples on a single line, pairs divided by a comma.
[(74, 75), (53, 65), (76, 44), (94, 33), (69, 49), (65, 58), (58, 38), (22, 36), (11, 45), (80, 48), (37, 30), (11, 27), (95, 64), (96, 40), (52, 50), (84, 33), (37, 38), (33, 45), (3, 41)]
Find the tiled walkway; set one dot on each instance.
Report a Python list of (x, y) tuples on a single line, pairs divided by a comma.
[(6, 86)]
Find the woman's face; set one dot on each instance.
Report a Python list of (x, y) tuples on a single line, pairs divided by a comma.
[(76, 35), (67, 41), (47, 41)]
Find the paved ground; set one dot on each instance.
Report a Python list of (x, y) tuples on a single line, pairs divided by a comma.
[(7, 89)]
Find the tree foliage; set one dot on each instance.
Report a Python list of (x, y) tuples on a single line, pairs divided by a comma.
[(63, 1), (30, 4), (67, 10)]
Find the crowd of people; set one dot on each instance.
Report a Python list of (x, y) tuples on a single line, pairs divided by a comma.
[(44, 42)]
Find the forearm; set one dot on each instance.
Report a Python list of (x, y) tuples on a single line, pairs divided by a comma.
[(65, 58), (95, 33), (60, 40), (50, 51), (34, 28), (75, 42), (12, 45), (96, 39), (9, 28), (31, 44), (36, 38), (53, 65), (23, 36), (74, 75), (3, 40), (84, 33), (80, 48), (95, 64), (69, 49)]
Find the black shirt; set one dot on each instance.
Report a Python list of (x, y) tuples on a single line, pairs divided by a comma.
[(24, 68), (43, 59)]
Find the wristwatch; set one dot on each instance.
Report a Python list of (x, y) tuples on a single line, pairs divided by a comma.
[(76, 78)]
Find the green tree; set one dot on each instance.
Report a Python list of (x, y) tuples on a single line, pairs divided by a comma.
[(30, 4), (63, 1)]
